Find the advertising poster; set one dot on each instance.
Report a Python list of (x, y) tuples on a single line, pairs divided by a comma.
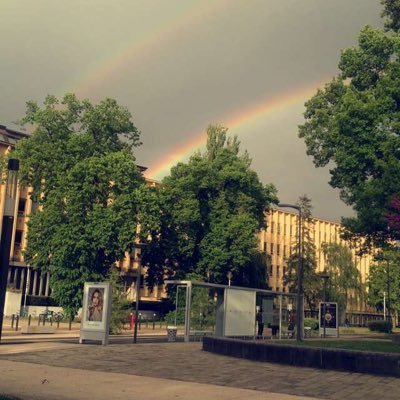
[(96, 308), (328, 317)]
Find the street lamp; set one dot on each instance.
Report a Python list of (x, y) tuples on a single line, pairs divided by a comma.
[(299, 304), (6, 230), (138, 279), (325, 277), (229, 275)]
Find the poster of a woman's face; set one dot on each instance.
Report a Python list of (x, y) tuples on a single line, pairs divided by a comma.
[(95, 304)]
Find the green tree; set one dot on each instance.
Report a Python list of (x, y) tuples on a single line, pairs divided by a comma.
[(311, 280), (353, 125), (89, 190), (384, 276), (211, 209), (344, 277)]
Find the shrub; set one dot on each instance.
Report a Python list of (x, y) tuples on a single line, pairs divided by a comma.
[(311, 323), (380, 326)]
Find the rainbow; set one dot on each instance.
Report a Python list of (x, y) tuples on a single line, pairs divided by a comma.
[(243, 117), (139, 48)]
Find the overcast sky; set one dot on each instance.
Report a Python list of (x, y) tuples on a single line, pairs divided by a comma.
[(179, 65)]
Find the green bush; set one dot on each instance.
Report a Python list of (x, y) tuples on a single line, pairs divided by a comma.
[(380, 326), (311, 323)]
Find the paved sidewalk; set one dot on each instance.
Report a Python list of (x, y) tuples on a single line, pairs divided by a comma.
[(186, 362), (40, 382)]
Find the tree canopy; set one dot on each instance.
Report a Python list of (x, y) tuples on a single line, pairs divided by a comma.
[(311, 281), (211, 208), (344, 277), (384, 276), (353, 126), (89, 190)]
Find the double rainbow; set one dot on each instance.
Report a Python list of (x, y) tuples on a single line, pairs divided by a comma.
[(234, 121)]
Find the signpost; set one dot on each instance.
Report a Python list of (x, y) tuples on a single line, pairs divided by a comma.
[(328, 319)]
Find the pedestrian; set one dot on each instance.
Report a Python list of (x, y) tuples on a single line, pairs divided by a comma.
[(260, 323)]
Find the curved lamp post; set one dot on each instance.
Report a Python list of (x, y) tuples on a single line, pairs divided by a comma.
[(299, 303)]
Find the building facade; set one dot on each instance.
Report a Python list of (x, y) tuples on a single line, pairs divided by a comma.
[(281, 235)]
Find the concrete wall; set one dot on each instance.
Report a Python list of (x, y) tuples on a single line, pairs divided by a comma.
[(302, 356)]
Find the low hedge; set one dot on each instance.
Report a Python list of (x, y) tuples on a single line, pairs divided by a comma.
[(311, 323), (380, 326)]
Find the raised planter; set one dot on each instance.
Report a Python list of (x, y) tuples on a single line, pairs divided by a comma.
[(302, 356)]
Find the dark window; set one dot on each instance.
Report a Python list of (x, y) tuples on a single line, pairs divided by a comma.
[(18, 237), (278, 249), (272, 227), (265, 246), (272, 248), (279, 228), (21, 206)]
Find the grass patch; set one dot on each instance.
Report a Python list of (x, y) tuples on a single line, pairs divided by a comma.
[(360, 345), (6, 397)]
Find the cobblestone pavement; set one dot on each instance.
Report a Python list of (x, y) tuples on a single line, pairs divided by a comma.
[(187, 362)]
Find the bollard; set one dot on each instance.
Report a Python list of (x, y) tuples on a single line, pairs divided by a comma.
[(51, 321), (70, 323), (140, 324), (147, 323), (12, 321), (39, 320), (16, 322), (154, 322), (58, 322), (44, 319), (29, 319)]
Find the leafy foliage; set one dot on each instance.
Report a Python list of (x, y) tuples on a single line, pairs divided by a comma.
[(211, 209), (344, 277), (353, 124), (311, 280), (384, 275), (121, 307), (89, 190)]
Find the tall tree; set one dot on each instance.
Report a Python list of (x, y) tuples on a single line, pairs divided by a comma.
[(344, 277), (212, 207), (311, 280), (88, 188), (384, 277), (353, 125)]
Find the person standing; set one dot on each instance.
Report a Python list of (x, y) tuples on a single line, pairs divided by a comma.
[(260, 323)]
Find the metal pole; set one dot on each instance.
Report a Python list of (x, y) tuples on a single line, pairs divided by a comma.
[(188, 310), (299, 316), (28, 284), (388, 290), (6, 231), (280, 317), (176, 304), (324, 308), (384, 306), (138, 278)]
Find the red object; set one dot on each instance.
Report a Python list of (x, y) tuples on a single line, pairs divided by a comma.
[(132, 320)]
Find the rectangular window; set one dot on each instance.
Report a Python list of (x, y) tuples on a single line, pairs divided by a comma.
[(18, 237), (279, 228), (284, 250), (272, 227), (284, 229), (272, 248), (21, 206), (278, 249), (265, 246), (277, 270)]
